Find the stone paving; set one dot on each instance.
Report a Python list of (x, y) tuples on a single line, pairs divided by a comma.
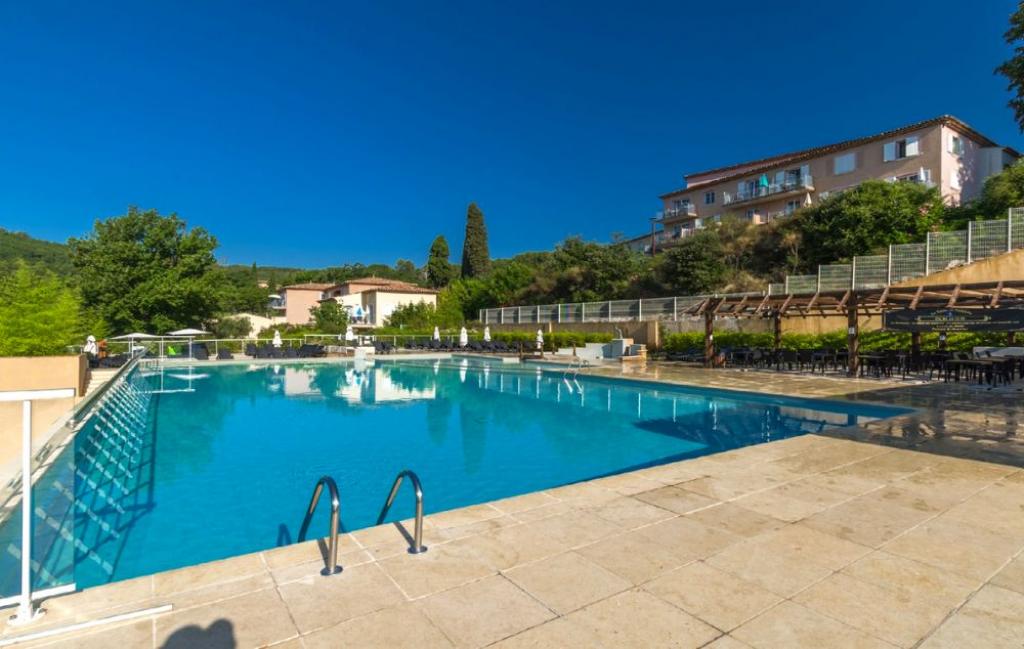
[(877, 537)]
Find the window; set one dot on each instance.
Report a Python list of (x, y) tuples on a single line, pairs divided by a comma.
[(955, 144), (792, 206), (709, 198), (844, 164), (751, 215), (717, 218), (905, 148), (954, 179), (677, 231), (681, 204)]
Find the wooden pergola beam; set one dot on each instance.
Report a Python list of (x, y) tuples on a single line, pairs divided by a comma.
[(917, 297), (953, 297), (996, 295)]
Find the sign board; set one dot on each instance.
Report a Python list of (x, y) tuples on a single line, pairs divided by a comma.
[(1004, 319)]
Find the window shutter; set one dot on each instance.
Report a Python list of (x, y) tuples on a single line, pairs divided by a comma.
[(889, 151), (912, 147), (950, 148)]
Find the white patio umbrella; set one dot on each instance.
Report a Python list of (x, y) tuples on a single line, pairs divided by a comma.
[(349, 334), (135, 336), (437, 334), (463, 337), (188, 332), (487, 334), (463, 368), (277, 342), (540, 339)]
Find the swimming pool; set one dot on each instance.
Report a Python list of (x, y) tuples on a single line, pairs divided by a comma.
[(189, 464)]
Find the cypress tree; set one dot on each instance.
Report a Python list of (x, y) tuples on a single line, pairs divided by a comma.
[(476, 260), (439, 270)]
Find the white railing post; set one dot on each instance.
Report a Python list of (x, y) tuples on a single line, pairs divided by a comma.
[(519, 315), (853, 273), (927, 253), (817, 287), (26, 613), (501, 315), (970, 239), (640, 310), (675, 309), (888, 272), (609, 310), (558, 313), (1009, 230), (583, 311), (538, 314)]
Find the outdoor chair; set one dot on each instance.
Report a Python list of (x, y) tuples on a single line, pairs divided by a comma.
[(223, 354)]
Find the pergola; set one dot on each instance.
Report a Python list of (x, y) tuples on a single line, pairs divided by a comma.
[(857, 302)]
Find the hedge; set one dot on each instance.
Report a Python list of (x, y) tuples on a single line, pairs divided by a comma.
[(869, 340)]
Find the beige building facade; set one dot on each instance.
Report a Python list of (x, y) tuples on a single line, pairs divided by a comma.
[(368, 300), (943, 152)]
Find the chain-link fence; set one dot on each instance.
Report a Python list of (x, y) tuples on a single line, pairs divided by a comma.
[(905, 261)]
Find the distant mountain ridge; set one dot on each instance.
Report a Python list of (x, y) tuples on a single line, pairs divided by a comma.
[(18, 245)]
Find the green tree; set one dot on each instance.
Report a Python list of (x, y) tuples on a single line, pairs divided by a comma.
[(696, 265), (39, 315), (476, 259), (147, 271), (1013, 69), (440, 272), (330, 317), (865, 220)]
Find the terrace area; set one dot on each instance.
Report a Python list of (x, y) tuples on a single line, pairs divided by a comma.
[(905, 532)]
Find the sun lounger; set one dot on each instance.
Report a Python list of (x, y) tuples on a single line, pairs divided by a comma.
[(224, 355)]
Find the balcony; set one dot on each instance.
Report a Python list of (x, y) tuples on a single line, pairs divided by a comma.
[(687, 211), (763, 193)]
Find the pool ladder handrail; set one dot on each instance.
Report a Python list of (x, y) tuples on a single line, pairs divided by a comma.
[(332, 566), (417, 546)]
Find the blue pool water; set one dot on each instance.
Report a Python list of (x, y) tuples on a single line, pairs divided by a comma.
[(179, 469)]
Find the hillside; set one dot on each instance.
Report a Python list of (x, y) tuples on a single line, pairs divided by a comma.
[(18, 245)]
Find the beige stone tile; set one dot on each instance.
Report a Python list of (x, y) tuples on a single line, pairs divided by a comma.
[(296, 553), (780, 507), (387, 540), (674, 499), (727, 642), (471, 529), (807, 544), (559, 633), (218, 591), (890, 466), (546, 511), (206, 574), (877, 611), (566, 582), (512, 546), (464, 516), (627, 484), (484, 611), (820, 460), (390, 628), (309, 569), (252, 620), (638, 619), (1012, 576), (137, 634), (632, 556), (910, 580), (672, 473), (994, 619), (688, 539), (714, 596), (583, 494), (91, 601), (576, 528), (997, 512), (868, 520), (736, 519), (969, 551), (317, 602), (523, 503), (629, 513), (440, 568), (781, 573), (847, 484), (792, 626)]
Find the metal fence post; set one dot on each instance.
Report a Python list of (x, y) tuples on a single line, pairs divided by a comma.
[(1009, 230), (927, 253), (558, 312), (609, 310), (888, 272), (519, 315), (583, 311), (501, 316), (675, 309), (970, 239), (538, 313), (640, 310), (853, 273), (817, 286)]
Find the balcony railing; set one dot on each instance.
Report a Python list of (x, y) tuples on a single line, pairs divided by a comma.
[(801, 183), (686, 211)]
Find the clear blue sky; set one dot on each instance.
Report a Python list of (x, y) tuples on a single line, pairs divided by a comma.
[(309, 134)]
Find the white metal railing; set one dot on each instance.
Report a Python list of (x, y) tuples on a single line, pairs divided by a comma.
[(939, 251), (760, 191)]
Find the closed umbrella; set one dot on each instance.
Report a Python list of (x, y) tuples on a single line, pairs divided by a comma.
[(349, 334), (463, 337), (277, 342), (437, 334), (540, 339), (487, 334)]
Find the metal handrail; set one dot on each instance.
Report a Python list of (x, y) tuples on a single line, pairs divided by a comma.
[(332, 566), (417, 546)]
